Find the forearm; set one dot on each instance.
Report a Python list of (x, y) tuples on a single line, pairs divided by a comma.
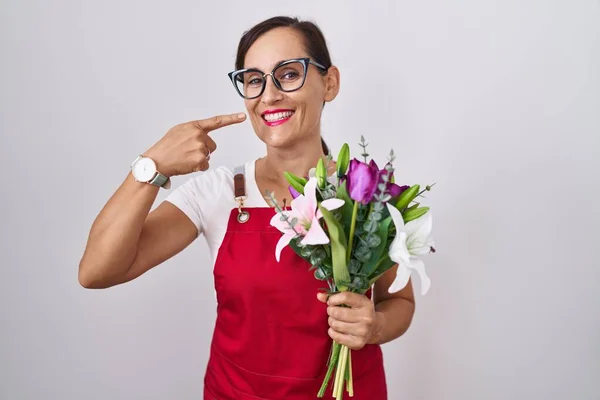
[(393, 318), (113, 238)]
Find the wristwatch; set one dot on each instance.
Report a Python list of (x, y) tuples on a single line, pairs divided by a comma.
[(144, 170)]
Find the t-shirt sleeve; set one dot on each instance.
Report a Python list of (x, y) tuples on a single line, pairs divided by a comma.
[(201, 196)]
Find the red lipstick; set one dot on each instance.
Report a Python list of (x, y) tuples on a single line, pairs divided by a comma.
[(278, 121)]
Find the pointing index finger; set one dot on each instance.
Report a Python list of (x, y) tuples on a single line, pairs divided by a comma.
[(220, 121)]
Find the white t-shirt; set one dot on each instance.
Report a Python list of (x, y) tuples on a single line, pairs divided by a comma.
[(208, 198)]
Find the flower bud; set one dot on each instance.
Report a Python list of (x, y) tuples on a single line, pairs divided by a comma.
[(414, 214), (407, 196), (343, 160), (321, 174), (296, 182)]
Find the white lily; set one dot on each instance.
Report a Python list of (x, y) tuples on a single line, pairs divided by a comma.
[(412, 240)]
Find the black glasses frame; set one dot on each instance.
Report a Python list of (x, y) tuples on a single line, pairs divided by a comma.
[(305, 63)]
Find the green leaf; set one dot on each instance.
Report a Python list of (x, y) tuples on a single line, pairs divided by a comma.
[(347, 208), (373, 240), (414, 214), (370, 226), (375, 216), (338, 249), (320, 274), (297, 249), (363, 253), (354, 266), (407, 196), (384, 265), (377, 252)]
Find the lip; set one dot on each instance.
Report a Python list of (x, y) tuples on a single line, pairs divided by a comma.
[(275, 111), (276, 123)]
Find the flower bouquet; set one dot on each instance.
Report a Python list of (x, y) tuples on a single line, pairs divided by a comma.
[(352, 227)]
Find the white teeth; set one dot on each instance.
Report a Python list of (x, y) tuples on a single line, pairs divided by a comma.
[(278, 116)]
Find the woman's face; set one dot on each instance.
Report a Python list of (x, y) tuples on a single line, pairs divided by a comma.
[(284, 119)]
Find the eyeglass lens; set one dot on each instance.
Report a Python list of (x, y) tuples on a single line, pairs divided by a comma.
[(289, 77)]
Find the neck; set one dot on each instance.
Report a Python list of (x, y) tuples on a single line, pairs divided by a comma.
[(297, 160)]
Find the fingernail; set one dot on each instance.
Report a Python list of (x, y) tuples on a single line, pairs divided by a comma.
[(241, 115)]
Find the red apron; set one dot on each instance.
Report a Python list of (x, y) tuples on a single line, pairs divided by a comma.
[(270, 340)]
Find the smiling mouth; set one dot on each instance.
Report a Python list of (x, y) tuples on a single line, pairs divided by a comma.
[(277, 117)]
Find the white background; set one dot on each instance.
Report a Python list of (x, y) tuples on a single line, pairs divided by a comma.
[(497, 102)]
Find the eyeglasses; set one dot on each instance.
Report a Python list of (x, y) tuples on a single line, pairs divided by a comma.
[(288, 76)]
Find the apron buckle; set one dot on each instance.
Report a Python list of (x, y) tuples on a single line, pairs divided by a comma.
[(240, 194), (243, 216)]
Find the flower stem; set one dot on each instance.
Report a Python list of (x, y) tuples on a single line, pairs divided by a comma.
[(350, 381), (339, 379), (352, 229), (333, 359), (336, 382), (341, 373)]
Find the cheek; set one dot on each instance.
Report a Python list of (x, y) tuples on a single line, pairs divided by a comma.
[(314, 99), (250, 104), (251, 108), (310, 103)]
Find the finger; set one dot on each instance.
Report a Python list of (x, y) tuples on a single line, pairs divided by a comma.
[(344, 314), (210, 144), (322, 297), (219, 121), (203, 165), (348, 298), (348, 328), (346, 340)]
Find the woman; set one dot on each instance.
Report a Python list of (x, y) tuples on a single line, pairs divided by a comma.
[(270, 338)]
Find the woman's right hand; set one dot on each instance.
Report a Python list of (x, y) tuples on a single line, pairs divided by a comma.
[(187, 147)]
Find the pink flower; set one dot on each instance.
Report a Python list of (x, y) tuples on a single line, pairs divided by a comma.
[(306, 214)]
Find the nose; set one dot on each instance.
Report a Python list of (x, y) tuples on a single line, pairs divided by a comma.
[(271, 95)]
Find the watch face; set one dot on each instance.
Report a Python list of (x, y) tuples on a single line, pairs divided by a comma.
[(144, 170)]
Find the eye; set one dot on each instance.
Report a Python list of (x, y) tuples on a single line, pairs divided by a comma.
[(289, 75), (253, 80)]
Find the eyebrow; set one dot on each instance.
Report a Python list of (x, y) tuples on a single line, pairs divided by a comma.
[(276, 64), (282, 61)]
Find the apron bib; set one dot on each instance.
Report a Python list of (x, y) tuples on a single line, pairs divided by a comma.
[(270, 340)]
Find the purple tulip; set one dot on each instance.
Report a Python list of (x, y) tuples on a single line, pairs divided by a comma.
[(395, 190), (363, 179), (293, 192), (392, 189)]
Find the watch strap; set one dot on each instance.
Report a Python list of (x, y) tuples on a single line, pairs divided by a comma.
[(161, 181)]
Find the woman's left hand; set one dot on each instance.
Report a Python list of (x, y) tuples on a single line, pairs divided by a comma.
[(355, 325)]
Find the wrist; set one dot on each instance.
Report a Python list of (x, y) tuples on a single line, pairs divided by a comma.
[(158, 161), (378, 328), (144, 169)]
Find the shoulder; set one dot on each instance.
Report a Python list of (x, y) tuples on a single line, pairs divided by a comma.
[(216, 184), (209, 184), (207, 197)]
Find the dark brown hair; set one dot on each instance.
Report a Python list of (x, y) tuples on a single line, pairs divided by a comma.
[(314, 43)]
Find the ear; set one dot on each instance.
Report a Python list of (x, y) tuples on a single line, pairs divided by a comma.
[(332, 83)]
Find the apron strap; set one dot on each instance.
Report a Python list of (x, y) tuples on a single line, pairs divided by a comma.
[(239, 190)]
